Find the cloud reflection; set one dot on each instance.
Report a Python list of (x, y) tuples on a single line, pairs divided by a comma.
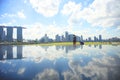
[(88, 63), (47, 74), (97, 68), (21, 71)]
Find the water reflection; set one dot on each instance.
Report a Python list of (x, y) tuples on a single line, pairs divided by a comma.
[(100, 62), (6, 52)]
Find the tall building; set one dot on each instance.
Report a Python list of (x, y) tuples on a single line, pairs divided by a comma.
[(66, 36), (3, 36), (9, 36), (81, 38), (70, 38), (62, 38), (100, 37), (89, 39), (77, 38), (19, 34), (57, 37), (1, 33), (45, 38), (95, 38)]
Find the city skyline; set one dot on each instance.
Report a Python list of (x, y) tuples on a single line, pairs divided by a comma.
[(68, 37), (81, 17)]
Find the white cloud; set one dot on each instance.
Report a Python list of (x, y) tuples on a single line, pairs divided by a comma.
[(118, 28), (47, 8), (103, 13), (21, 15), (9, 23), (70, 7), (47, 74), (8, 15)]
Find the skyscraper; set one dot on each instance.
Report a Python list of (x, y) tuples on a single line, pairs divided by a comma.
[(9, 34), (95, 38), (100, 37), (89, 39), (45, 38), (81, 38), (57, 38), (66, 36), (3, 36), (19, 34), (1, 33)]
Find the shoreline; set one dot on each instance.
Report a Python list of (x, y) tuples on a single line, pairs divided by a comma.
[(59, 43)]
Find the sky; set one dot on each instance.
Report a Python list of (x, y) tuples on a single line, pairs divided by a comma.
[(80, 17)]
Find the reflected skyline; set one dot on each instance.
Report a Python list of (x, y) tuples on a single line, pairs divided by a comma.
[(53, 63), (7, 52)]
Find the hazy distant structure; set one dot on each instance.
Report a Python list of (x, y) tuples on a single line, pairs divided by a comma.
[(95, 38), (57, 38), (81, 38), (1, 33), (66, 36), (70, 38), (89, 39), (100, 38), (9, 33), (45, 38), (62, 38)]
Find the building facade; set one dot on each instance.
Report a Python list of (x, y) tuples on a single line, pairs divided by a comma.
[(19, 34), (8, 34), (1, 33)]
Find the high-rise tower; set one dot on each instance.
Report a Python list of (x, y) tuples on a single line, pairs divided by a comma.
[(1, 33), (9, 36), (19, 34)]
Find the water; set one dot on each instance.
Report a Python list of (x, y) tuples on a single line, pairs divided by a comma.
[(88, 62)]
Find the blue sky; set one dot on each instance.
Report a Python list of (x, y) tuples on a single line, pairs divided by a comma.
[(81, 17)]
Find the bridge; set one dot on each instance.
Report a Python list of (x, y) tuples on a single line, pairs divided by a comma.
[(8, 34)]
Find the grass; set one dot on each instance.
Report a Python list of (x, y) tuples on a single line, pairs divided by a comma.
[(60, 43), (85, 43)]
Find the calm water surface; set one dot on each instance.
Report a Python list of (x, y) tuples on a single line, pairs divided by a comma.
[(88, 62)]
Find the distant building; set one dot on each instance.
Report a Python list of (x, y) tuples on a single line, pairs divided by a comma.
[(77, 38), (1, 33), (63, 38), (9, 36), (57, 38), (66, 36), (81, 38), (19, 34), (45, 39), (95, 38), (70, 38), (3, 36), (100, 38), (89, 39)]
